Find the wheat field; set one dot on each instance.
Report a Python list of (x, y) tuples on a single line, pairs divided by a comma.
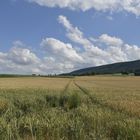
[(77, 108)]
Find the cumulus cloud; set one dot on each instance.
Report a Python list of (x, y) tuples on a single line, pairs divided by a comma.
[(132, 52), (131, 6), (53, 65), (91, 52), (19, 54), (62, 57), (73, 33), (115, 51), (59, 57), (60, 50), (111, 41), (22, 56), (18, 59)]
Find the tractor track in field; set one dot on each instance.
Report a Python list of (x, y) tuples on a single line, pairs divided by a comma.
[(66, 87), (96, 101), (86, 92)]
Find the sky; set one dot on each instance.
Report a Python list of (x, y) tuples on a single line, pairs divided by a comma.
[(58, 36)]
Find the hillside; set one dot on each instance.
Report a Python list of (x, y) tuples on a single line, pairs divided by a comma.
[(122, 67)]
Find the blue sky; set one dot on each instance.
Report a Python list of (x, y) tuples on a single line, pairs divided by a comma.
[(31, 31)]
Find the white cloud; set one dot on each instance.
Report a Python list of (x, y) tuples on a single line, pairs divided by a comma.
[(115, 51), (132, 52), (60, 50), (90, 50), (62, 57), (131, 6), (18, 60), (19, 54), (73, 33), (22, 56), (111, 41)]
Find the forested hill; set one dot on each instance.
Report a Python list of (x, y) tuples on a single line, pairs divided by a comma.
[(122, 67)]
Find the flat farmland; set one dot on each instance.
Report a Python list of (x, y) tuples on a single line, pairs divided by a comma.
[(33, 82), (78, 108)]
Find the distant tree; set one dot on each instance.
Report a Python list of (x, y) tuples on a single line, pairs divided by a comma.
[(93, 73), (33, 74), (137, 72), (124, 73)]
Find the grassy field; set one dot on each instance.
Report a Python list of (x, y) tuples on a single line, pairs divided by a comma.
[(80, 108)]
